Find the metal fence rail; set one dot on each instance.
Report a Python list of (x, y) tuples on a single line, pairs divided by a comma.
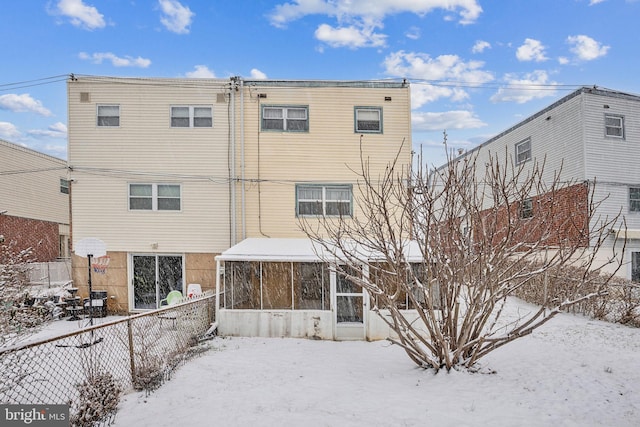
[(137, 352)]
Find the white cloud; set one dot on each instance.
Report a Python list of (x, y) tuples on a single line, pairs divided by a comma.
[(585, 48), (563, 60), (358, 20), (80, 14), (443, 67), (59, 151), (413, 33), (422, 94), (257, 74), (531, 50), (116, 61), (352, 36), (457, 119), (23, 103), (366, 10), (176, 17), (480, 46), (592, 2), (449, 70), (8, 130), (201, 72), (56, 130), (535, 85)]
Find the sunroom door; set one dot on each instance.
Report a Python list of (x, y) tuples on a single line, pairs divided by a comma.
[(154, 276), (350, 310)]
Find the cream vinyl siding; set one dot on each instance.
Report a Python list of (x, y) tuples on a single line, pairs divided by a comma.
[(36, 194), (323, 155), (146, 149)]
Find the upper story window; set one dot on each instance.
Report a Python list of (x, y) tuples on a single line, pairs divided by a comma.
[(64, 186), (191, 117), (523, 151), (634, 199), (368, 119), (319, 200), (109, 115), (154, 197), (526, 209), (614, 126), (285, 119)]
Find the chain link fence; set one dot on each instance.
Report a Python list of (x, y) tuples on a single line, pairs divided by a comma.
[(137, 352)]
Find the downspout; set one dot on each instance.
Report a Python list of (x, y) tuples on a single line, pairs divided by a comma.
[(585, 166), (232, 164), (242, 193)]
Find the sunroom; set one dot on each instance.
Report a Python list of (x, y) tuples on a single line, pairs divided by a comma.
[(284, 287)]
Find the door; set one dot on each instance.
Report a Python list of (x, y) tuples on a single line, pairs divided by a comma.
[(154, 276), (350, 310)]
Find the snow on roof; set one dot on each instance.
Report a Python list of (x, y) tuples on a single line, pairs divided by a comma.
[(292, 249)]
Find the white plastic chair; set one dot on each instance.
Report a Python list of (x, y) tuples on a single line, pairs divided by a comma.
[(194, 290)]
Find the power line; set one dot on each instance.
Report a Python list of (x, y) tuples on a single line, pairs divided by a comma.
[(35, 82), (24, 171)]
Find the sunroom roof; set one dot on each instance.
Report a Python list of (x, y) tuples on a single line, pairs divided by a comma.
[(292, 249)]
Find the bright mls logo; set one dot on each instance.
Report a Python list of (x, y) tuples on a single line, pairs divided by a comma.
[(34, 415)]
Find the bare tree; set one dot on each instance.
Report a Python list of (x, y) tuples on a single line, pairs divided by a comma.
[(483, 231)]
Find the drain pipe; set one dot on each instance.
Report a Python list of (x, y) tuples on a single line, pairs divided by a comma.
[(242, 193), (231, 158)]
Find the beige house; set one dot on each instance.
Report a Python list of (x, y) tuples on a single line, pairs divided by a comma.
[(34, 202), (171, 173)]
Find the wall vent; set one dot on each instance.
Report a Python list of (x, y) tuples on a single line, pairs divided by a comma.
[(221, 98), (84, 97)]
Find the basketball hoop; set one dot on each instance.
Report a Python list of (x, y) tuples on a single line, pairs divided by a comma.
[(89, 248), (100, 264)]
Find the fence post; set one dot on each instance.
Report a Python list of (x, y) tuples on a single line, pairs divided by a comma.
[(132, 361)]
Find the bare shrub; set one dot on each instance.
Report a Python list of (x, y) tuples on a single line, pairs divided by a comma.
[(17, 319), (98, 401), (98, 395), (483, 231), (617, 299)]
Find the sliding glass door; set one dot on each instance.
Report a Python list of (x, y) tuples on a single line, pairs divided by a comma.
[(154, 276)]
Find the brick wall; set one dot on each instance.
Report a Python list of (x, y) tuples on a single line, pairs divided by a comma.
[(559, 217), (41, 236)]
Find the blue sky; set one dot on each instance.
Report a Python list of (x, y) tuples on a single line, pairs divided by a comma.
[(476, 67)]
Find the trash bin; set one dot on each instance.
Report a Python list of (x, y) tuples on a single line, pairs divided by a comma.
[(98, 308)]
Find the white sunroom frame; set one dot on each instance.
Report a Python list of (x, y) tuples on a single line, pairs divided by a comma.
[(295, 323)]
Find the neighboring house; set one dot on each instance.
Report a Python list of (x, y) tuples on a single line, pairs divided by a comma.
[(592, 136), (171, 173), (34, 202)]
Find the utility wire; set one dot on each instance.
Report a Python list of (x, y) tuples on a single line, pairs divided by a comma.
[(30, 83)]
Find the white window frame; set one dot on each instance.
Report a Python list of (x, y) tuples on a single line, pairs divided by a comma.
[(635, 199), (358, 110), (526, 209), (64, 186), (155, 197), (285, 118), (324, 200), (611, 130), (104, 120), (523, 155), (193, 119)]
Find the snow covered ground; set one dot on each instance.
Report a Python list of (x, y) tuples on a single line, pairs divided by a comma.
[(571, 372)]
